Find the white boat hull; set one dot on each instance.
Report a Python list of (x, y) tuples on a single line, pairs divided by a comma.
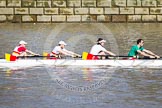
[(22, 63)]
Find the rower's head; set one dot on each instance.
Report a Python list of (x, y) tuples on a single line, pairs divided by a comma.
[(101, 41), (62, 44), (22, 43), (140, 42)]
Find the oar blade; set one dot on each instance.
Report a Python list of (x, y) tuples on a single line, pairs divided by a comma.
[(84, 55), (10, 57), (45, 54), (7, 56)]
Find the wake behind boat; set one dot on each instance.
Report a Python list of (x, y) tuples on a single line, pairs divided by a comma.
[(25, 63)]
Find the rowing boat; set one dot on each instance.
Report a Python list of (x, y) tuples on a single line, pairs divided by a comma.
[(25, 63)]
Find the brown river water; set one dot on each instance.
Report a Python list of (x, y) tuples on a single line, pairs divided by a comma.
[(81, 86)]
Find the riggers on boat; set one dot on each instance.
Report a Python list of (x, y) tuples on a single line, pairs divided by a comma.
[(25, 63)]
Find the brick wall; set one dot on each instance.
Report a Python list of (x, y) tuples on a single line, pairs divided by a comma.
[(80, 11)]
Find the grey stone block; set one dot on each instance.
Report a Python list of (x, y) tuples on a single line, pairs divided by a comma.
[(43, 3), (21, 11), (159, 2), (4, 11), (28, 3), (104, 3), (3, 3), (141, 10), (103, 18), (155, 10), (139, 2), (147, 18), (36, 10), (119, 18), (159, 18), (10, 18), (58, 18), (127, 10), (131, 2), (74, 3), (14, 3), (134, 18), (89, 3), (73, 18), (111, 10), (149, 3), (58, 3), (120, 3), (16, 19), (96, 10), (3, 18), (44, 18), (66, 11), (89, 18), (29, 18), (51, 11), (81, 11)]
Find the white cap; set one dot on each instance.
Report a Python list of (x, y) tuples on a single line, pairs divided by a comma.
[(22, 42), (62, 43), (102, 41)]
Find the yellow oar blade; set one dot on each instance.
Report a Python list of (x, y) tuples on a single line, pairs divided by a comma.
[(84, 55), (7, 56), (45, 54)]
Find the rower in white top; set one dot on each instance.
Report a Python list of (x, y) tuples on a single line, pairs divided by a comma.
[(99, 49), (60, 51)]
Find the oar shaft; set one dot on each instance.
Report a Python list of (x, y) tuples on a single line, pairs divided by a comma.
[(113, 56), (35, 56)]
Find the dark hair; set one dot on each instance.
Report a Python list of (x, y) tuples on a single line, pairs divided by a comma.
[(99, 39), (139, 40)]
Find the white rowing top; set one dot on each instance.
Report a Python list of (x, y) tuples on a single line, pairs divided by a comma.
[(57, 50), (96, 49)]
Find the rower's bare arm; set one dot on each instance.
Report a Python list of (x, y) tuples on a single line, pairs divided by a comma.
[(145, 54), (110, 53), (63, 52), (151, 53), (30, 52), (72, 54), (75, 54)]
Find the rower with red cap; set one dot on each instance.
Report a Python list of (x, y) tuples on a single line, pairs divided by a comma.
[(21, 50), (60, 51), (99, 49)]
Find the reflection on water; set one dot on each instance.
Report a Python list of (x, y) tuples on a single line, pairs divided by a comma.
[(106, 86), (48, 87)]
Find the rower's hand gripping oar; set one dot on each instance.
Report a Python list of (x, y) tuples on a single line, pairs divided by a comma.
[(75, 55)]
